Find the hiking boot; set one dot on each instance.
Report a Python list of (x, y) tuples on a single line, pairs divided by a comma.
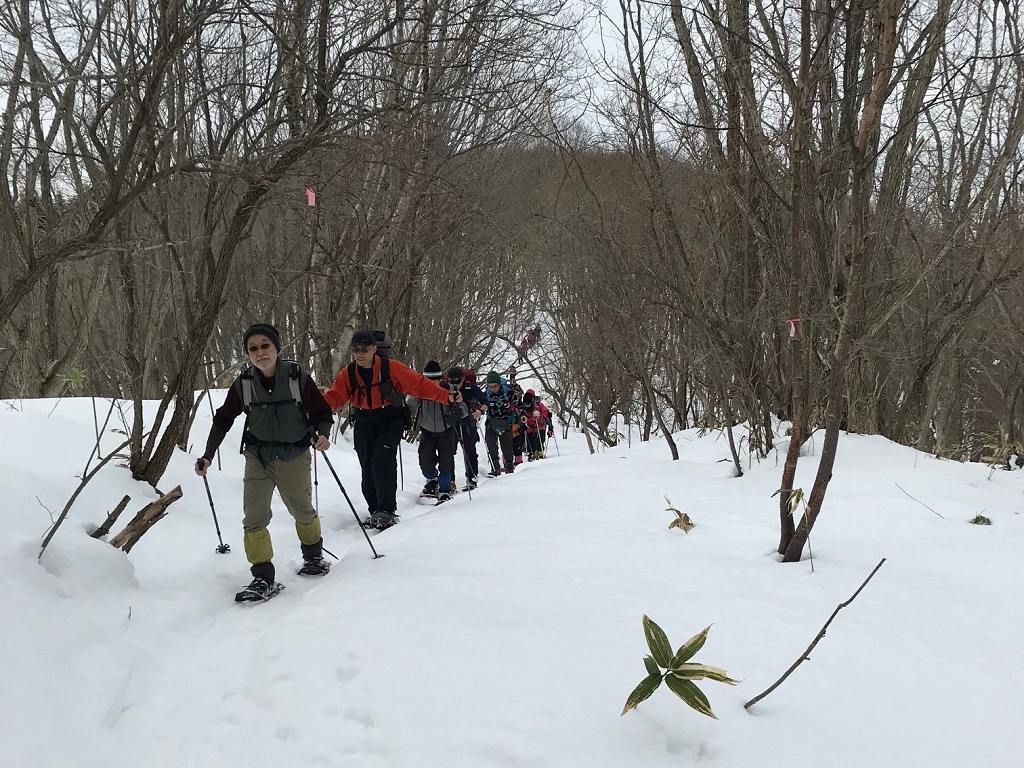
[(444, 496), (519, 458), (510, 468), (430, 489), (383, 520), (494, 473), (531, 456), (470, 484), (258, 589), (314, 566)]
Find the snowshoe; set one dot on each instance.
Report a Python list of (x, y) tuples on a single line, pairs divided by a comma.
[(494, 473), (442, 497), (314, 566), (470, 485), (259, 590), (383, 520)]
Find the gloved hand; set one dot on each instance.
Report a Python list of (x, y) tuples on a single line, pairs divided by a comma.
[(551, 432)]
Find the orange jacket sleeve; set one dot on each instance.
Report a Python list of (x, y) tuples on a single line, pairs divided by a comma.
[(408, 381), (340, 391)]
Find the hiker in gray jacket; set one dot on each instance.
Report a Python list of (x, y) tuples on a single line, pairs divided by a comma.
[(436, 423)]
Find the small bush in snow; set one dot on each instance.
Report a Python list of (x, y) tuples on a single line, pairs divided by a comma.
[(675, 670), (682, 521), (980, 520), (796, 498)]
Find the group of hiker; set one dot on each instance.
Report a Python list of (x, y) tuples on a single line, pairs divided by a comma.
[(287, 414)]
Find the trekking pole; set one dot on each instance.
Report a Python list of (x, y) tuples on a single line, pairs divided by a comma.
[(401, 465), (466, 462), (316, 487), (558, 452), (222, 548), (351, 506)]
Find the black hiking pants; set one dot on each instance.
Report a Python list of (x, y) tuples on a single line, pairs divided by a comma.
[(437, 456), (376, 442), (498, 432), (469, 437)]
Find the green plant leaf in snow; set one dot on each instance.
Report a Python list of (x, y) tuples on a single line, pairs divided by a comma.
[(690, 647), (652, 666), (693, 671), (691, 694), (643, 691), (657, 641)]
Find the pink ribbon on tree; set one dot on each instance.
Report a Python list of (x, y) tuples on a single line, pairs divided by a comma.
[(310, 197)]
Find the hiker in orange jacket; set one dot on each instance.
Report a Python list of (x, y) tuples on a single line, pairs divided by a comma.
[(376, 387)]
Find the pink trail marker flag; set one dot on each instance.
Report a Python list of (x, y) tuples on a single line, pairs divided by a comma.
[(310, 197)]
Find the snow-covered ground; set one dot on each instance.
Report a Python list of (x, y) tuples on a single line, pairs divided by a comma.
[(505, 630)]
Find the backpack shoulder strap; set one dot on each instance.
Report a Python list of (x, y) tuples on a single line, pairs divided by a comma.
[(353, 380), (295, 382), (246, 389)]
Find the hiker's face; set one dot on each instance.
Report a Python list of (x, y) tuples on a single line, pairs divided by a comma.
[(494, 388), (363, 354), (262, 352)]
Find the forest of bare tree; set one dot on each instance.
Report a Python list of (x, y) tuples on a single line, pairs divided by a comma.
[(730, 214)]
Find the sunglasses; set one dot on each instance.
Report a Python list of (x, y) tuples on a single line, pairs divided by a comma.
[(360, 349), (258, 347)]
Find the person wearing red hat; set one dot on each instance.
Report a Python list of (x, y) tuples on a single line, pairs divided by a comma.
[(534, 417)]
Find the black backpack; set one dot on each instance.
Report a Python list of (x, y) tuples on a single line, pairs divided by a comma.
[(384, 347)]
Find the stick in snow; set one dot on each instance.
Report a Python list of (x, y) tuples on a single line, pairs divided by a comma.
[(807, 654)]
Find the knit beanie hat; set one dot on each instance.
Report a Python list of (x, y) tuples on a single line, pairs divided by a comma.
[(493, 377), (455, 374), (262, 329), (432, 370), (528, 397)]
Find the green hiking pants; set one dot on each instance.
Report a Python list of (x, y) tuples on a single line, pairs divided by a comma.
[(292, 480)]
